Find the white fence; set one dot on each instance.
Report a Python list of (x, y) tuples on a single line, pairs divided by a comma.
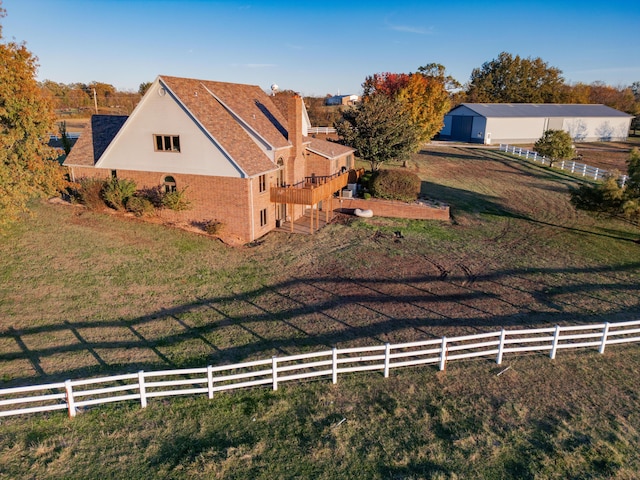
[(70, 135), (572, 166), (324, 130), (74, 395)]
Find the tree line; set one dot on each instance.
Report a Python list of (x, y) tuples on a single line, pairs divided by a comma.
[(82, 99), (505, 79)]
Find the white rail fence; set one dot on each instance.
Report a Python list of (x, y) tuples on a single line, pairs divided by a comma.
[(324, 130), (572, 166), (70, 135), (75, 395)]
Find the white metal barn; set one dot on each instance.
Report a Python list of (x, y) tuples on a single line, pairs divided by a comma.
[(526, 122)]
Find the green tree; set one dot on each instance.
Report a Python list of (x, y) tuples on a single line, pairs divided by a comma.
[(27, 165), (635, 89), (64, 137), (144, 86), (510, 79), (633, 173), (555, 144), (610, 196), (379, 129)]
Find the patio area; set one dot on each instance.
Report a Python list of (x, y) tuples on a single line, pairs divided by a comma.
[(303, 225)]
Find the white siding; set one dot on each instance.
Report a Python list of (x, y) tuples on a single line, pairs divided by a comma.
[(515, 130), (134, 148), (597, 129)]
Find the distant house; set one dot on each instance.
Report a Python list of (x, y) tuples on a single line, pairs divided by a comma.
[(242, 157), (526, 122), (342, 100)]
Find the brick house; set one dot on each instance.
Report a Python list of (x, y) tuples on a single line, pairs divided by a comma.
[(243, 157)]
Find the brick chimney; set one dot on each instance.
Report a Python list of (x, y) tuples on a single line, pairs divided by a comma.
[(295, 126)]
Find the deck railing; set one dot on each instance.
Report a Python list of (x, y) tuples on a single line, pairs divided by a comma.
[(313, 189)]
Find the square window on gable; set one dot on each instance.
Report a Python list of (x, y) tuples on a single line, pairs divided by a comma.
[(166, 143)]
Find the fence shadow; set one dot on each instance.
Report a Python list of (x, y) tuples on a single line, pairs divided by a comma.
[(312, 312)]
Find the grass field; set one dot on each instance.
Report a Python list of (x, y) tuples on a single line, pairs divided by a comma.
[(85, 294)]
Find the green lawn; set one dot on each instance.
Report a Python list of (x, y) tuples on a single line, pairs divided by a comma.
[(86, 294)]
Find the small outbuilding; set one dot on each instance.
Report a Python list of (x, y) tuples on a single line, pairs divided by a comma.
[(489, 123), (342, 100)]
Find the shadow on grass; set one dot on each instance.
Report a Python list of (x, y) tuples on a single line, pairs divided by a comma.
[(306, 314), (460, 200)]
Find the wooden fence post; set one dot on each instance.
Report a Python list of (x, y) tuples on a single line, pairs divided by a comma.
[(210, 381), (71, 403), (443, 354), (274, 371), (334, 365), (605, 333), (554, 344), (387, 353), (503, 334), (143, 390)]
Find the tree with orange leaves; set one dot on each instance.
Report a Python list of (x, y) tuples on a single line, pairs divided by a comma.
[(28, 166), (423, 95)]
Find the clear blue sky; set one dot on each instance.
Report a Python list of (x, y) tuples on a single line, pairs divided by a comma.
[(319, 47)]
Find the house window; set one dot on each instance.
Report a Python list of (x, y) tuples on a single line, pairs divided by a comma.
[(262, 182), (263, 217), (166, 143), (169, 184), (114, 174)]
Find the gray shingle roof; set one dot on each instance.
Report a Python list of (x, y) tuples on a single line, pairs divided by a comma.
[(94, 140), (542, 110)]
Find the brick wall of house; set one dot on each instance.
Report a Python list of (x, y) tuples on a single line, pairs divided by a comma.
[(321, 166), (76, 173), (212, 198)]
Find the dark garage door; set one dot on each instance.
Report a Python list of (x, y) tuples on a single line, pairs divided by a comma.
[(461, 128)]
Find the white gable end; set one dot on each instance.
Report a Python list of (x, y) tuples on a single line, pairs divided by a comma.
[(159, 113)]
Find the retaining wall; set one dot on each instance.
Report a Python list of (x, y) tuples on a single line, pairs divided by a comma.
[(395, 209)]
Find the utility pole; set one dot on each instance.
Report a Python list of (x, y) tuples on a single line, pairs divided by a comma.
[(95, 100)]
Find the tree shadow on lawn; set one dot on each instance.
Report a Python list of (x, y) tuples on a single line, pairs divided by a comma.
[(460, 200), (468, 202), (316, 313)]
